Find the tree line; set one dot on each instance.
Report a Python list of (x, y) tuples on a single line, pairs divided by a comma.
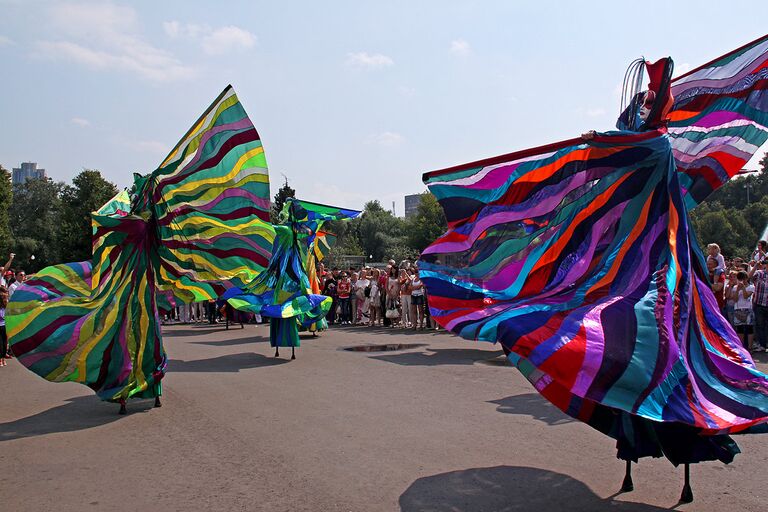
[(47, 222)]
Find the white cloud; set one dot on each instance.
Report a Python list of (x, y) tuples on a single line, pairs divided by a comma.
[(213, 41), (143, 146), (460, 48), (681, 69), (386, 139), (5, 41), (79, 121), (104, 36), (226, 39), (408, 92), (366, 60)]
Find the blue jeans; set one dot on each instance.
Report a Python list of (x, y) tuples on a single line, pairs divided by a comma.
[(346, 310)]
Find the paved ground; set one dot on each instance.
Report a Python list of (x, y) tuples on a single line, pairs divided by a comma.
[(445, 426)]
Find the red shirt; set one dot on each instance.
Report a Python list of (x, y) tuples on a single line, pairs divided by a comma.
[(344, 288)]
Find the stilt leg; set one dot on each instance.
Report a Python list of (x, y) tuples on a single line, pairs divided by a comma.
[(123, 410), (293, 353), (687, 495), (627, 485), (157, 402), (277, 352)]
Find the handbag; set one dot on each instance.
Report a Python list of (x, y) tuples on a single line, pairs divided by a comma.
[(392, 314)]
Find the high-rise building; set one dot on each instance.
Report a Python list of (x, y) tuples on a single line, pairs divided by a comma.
[(412, 203), (27, 171)]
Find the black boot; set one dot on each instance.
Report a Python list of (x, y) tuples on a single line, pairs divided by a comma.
[(687, 495), (123, 410), (627, 485), (157, 402)]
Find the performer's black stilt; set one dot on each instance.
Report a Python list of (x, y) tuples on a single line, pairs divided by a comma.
[(687, 495), (627, 485), (314, 334), (157, 402), (293, 353), (277, 352), (123, 410)]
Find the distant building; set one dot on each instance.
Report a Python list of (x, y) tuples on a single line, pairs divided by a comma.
[(27, 171), (412, 203)]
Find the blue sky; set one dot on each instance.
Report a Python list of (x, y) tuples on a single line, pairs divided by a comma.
[(353, 100)]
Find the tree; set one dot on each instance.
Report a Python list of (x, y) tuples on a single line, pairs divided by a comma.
[(6, 196), (88, 192), (35, 220), (379, 232), (428, 223), (282, 195)]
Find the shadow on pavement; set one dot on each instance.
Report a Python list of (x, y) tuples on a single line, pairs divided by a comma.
[(79, 413), (232, 342), (387, 331), (534, 405), (441, 356), (509, 488), (227, 363), (198, 330)]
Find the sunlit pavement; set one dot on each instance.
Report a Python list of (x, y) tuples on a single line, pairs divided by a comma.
[(444, 425)]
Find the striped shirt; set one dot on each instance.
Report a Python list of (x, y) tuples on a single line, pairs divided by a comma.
[(760, 279)]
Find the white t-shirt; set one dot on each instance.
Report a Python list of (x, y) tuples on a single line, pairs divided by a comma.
[(417, 291), (742, 302), (360, 287)]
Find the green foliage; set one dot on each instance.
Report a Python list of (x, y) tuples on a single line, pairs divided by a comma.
[(88, 192), (735, 215), (35, 220), (6, 196), (428, 223), (277, 205)]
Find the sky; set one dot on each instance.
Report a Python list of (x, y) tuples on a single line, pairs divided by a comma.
[(353, 100)]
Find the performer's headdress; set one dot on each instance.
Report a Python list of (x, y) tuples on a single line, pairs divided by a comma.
[(645, 110)]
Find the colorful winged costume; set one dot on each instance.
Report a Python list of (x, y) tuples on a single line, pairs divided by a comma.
[(287, 291), (198, 223), (579, 259)]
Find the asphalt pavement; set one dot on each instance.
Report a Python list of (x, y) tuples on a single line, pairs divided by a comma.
[(444, 425)]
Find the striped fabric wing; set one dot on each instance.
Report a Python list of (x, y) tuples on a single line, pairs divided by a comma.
[(211, 200), (578, 259), (719, 118), (194, 225)]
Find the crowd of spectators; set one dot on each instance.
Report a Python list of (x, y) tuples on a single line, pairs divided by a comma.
[(10, 279), (741, 290), (393, 296)]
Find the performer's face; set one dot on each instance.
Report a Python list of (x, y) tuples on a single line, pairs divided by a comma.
[(645, 110)]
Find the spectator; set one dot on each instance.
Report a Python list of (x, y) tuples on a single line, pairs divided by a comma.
[(393, 295), (362, 297), (344, 289), (730, 301), (374, 296), (330, 290), (761, 251), (353, 295), (759, 274), (417, 301), (717, 278), (5, 269), (743, 316), (713, 252), (3, 335), (405, 297), (20, 278)]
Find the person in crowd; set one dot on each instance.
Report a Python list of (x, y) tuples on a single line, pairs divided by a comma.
[(393, 296), (374, 297), (743, 316), (330, 290), (5, 269), (761, 251), (3, 335), (383, 281), (362, 298), (759, 274), (717, 278), (353, 277), (405, 298), (20, 278), (730, 294), (417, 301), (344, 289), (713, 252)]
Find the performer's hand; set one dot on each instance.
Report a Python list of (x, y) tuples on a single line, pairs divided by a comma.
[(589, 135)]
